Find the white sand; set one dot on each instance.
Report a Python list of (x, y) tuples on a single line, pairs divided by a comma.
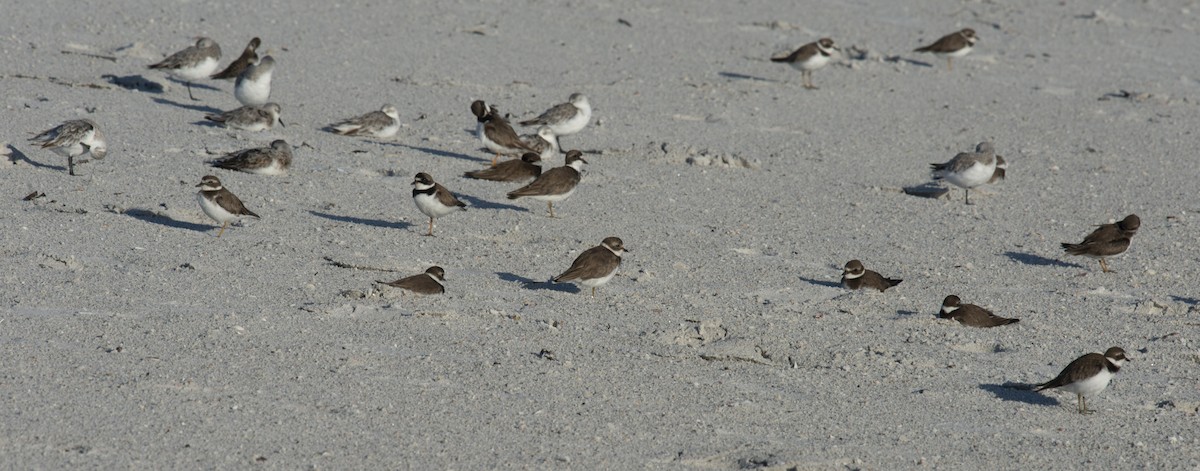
[(130, 337)]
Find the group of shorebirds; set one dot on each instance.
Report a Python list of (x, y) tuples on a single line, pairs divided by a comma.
[(596, 266), (252, 88), (815, 55), (1087, 375)]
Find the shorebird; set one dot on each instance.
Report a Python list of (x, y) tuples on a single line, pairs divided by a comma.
[(219, 203), (1088, 375), (273, 160), (381, 124), (253, 86), (968, 169), (952, 46), (565, 119), (597, 265), (856, 276), (970, 314), (524, 168), (556, 184), (249, 118), (809, 57), (72, 139), (432, 281), (1108, 240), (495, 133), (433, 199), (191, 64), (235, 68)]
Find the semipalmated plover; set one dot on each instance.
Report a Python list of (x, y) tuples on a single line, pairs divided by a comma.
[(970, 314), (856, 276), (249, 56), (565, 119), (495, 132), (194, 63), (433, 281), (382, 124), (952, 46), (1108, 240), (1001, 169), (524, 168), (595, 266), (968, 169), (273, 160), (809, 57), (556, 184), (1088, 375), (253, 85), (545, 143), (433, 199), (219, 204), (72, 139), (249, 118)]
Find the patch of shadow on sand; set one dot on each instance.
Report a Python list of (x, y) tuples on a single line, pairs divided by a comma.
[(134, 82), (366, 222), (1019, 392), (439, 152), (830, 284), (1181, 299), (474, 202), (927, 190), (1038, 260), (905, 60), (17, 155), (200, 108), (147, 215), (539, 285), (737, 76), (901, 314)]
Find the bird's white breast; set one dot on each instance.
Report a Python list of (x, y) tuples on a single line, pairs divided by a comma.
[(429, 205), (813, 63), (1091, 386), (197, 71), (254, 92), (575, 123), (214, 210), (594, 282), (973, 176)]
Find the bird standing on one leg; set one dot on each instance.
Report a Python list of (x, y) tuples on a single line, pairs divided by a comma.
[(1108, 240), (433, 199)]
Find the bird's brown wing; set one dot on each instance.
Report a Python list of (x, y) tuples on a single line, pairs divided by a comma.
[(559, 113), (231, 203), (1082, 368), (447, 198), (555, 181), (799, 55), (592, 263), (501, 133)]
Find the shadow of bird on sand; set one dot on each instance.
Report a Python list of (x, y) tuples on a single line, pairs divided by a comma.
[(826, 283), (531, 284), (1038, 260), (363, 221), (1019, 392), (153, 217)]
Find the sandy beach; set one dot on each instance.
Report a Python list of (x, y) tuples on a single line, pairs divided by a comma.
[(132, 337)]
